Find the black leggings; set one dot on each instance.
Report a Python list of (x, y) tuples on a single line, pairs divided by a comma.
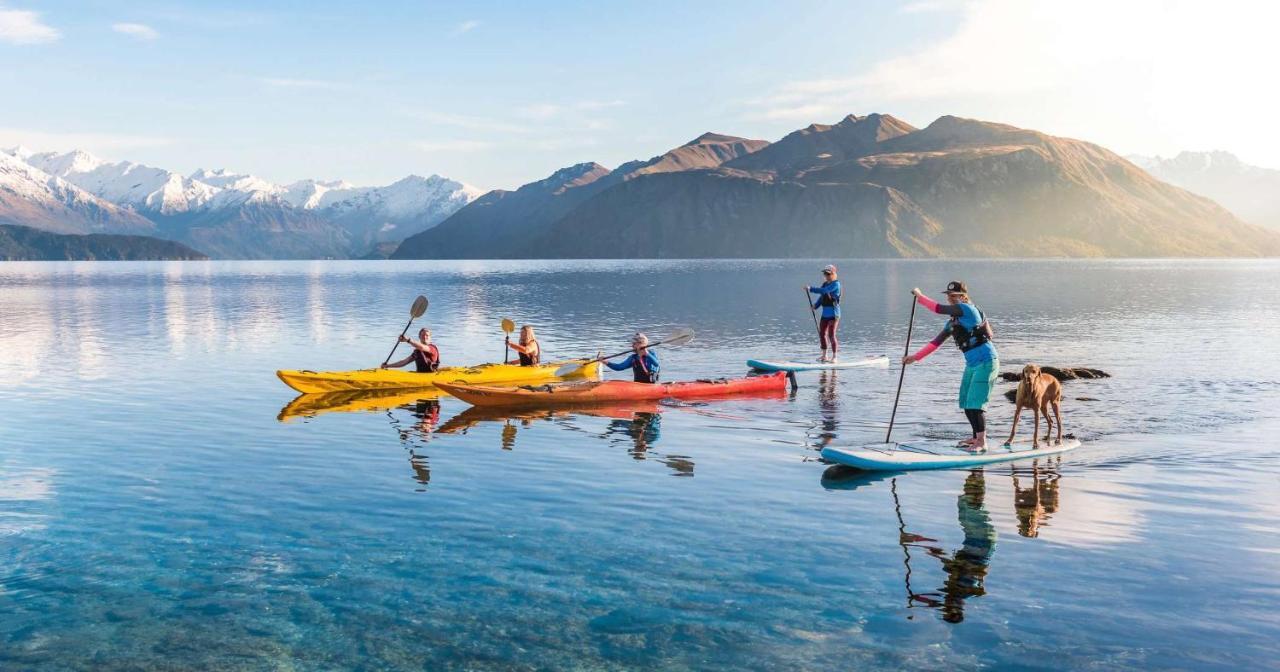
[(977, 419)]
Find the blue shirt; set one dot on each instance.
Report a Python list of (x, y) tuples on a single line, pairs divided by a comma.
[(650, 363), (970, 318), (832, 288)]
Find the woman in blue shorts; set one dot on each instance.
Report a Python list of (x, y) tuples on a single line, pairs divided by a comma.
[(972, 333)]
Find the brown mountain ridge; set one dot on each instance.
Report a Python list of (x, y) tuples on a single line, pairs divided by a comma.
[(870, 186)]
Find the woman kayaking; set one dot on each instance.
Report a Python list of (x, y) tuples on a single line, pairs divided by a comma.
[(425, 353), (972, 333), (829, 301), (529, 350), (642, 362)]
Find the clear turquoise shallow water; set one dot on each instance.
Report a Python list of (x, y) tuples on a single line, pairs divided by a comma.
[(155, 513)]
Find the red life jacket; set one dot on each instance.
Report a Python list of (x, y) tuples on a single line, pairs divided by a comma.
[(427, 363)]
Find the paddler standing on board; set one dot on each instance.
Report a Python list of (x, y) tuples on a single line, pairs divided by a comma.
[(642, 362), (972, 333), (829, 301)]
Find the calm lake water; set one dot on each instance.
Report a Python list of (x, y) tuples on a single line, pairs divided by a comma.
[(162, 505)]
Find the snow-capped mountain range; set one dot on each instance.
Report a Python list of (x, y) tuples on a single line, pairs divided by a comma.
[(1251, 192), (222, 213)]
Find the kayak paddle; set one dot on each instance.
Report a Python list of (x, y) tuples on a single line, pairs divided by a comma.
[(677, 337), (415, 311), (507, 326), (813, 311), (901, 374)]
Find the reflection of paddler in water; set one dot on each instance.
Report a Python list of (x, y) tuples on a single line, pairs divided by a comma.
[(828, 408), (1034, 505), (427, 411), (644, 428), (966, 568)]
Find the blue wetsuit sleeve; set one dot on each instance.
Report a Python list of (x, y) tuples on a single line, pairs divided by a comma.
[(950, 310), (623, 365)]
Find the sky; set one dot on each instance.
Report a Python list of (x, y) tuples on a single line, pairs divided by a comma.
[(497, 95)]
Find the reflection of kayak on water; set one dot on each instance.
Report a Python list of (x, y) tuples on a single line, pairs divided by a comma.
[(603, 392), (393, 379), (477, 414), (352, 401)]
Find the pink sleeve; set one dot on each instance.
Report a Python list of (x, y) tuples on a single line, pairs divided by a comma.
[(925, 351), (928, 303)]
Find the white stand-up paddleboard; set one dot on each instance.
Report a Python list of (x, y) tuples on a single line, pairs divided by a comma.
[(761, 365), (927, 454)]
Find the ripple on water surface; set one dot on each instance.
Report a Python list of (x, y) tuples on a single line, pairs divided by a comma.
[(166, 500)]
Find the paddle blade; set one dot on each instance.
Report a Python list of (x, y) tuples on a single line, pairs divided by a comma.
[(508, 326), (418, 308), (566, 369), (678, 337)]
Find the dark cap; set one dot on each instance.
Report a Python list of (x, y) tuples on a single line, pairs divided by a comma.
[(956, 287)]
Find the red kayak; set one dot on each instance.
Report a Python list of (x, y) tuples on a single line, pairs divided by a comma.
[(603, 392)]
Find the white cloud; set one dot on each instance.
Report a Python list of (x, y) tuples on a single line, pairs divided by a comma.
[(136, 30), (540, 111), (289, 83), (21, 26), (452, 146), (466, 27), (1150, 76), (94, 143)]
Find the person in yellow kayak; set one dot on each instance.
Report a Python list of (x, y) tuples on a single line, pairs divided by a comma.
[(425, 353), (643, 363), (528, 349)]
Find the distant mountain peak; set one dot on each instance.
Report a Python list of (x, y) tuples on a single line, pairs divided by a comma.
[(711, 138), (18, 151)]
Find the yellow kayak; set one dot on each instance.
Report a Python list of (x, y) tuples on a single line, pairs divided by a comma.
[(396, 379)]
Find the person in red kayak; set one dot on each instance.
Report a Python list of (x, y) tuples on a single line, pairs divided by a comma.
[(528, 349), (642, 362), (425, 353), (829, 301)]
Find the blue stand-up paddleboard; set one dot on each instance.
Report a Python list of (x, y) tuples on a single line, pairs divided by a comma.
[(761, 365), (935, 455)]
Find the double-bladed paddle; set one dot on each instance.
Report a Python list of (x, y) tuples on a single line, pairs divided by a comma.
[(507, 326), (415, 311), (677, 337)]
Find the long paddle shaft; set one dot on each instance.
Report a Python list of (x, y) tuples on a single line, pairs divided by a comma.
[(393, 348), (415, 311), (508, 326), (901, 374), (813, 311), (678, 338)]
